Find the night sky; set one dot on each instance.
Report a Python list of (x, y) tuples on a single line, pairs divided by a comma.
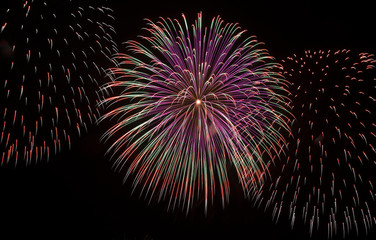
[(77, 195)]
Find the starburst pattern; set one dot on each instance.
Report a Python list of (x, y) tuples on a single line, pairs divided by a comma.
[(190, 101)]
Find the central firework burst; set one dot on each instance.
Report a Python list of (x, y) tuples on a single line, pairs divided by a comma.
[(191, 100)]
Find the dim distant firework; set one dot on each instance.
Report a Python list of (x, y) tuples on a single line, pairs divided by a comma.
[(191, 100), (52, 52), (328, 179)]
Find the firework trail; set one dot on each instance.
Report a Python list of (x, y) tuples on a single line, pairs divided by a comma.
[(51, 58), (328, 179), (191, 102)]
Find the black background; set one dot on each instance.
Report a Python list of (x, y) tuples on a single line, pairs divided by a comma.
[(78, 196)]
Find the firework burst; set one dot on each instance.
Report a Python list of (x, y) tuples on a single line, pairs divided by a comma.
[(190, 100), (51, 53), (328, 179)]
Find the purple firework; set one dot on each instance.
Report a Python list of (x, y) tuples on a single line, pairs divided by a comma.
[(190, 100)]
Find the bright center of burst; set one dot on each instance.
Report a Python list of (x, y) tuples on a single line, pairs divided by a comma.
[(198, 102)]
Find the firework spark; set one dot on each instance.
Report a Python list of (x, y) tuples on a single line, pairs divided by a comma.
[(191, 100), (327, 180), (51, 52)]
